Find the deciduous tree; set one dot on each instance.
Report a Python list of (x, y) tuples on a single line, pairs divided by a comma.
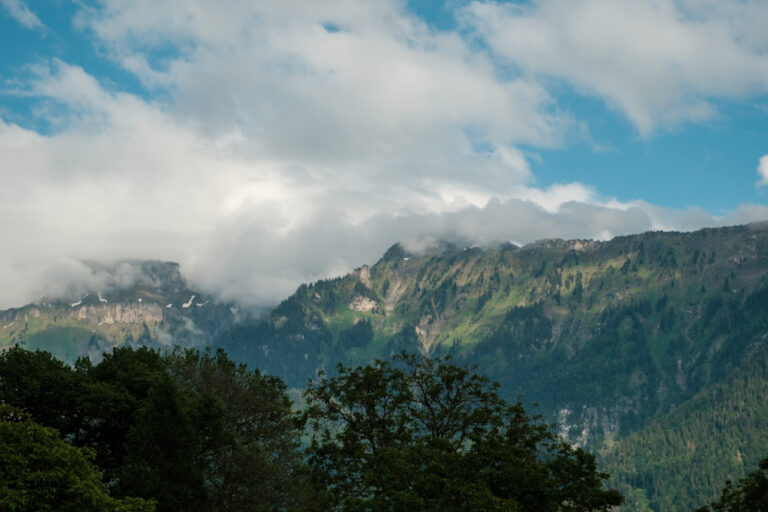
[(423, 434), (39, 472)]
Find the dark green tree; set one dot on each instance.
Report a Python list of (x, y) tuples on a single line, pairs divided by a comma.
[(750, 494), (121, 390), (191, 429), (423, 434), (43, 386), (39, 472), (251, 449), (163, 450)]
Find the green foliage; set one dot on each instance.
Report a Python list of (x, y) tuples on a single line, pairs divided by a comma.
[(42, 473), (252, 455), (192, 430), (523, 330), (43, 386), (405, 340), (293, 343), (164, 449), (423, 434)]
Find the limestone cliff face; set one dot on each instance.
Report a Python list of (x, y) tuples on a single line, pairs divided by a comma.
[(131, 313)]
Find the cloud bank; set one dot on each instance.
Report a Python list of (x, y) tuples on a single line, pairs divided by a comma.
[(282, 142)]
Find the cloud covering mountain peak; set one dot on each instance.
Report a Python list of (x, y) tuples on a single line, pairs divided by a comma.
[(273, 143)]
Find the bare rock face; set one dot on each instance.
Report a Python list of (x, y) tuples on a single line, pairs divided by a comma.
[(396, 291), (136, 313), (364, 275), (361, 303)]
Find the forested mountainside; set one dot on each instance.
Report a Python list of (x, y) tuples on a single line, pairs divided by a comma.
[(607, 337), (679, 460), (141, 303)]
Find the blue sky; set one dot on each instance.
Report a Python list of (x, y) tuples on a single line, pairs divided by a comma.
[(294, 140)]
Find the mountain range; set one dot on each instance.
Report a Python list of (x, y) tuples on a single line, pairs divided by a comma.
[(649, 349)]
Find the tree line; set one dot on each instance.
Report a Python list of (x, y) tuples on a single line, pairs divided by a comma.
[(191, 430)]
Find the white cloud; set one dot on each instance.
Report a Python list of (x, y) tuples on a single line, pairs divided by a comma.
[(19, 11), (762, 170), (280, 152), (658, 62), (384, 82)]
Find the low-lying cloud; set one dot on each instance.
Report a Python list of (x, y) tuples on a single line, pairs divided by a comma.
[(249, 262)]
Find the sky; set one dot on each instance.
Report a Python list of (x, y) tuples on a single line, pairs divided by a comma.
[(263, 144)]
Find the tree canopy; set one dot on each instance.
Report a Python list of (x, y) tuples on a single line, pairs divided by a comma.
[(422, 434), (42, 473), (192, 430)]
